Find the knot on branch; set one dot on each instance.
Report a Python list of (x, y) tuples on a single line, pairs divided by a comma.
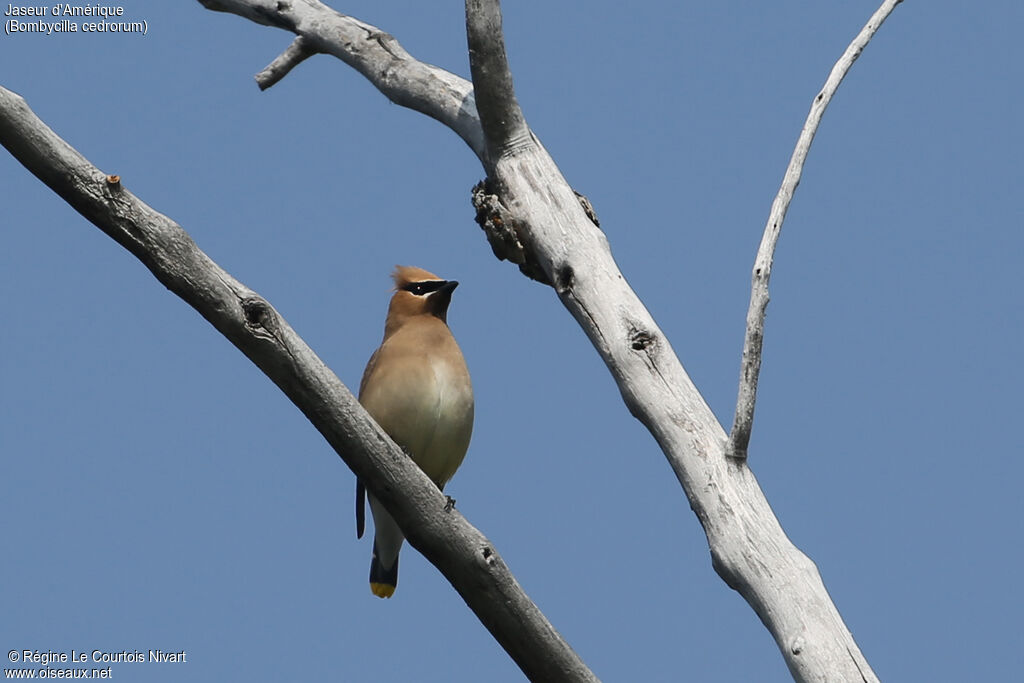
[(503, 231), (498, 225), (588, 208), (565, 278), (259, 316), (640, 339)]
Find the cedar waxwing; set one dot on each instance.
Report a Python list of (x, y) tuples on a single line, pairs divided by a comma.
[(416, 386)]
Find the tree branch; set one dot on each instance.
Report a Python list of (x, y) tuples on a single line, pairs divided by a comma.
[(749, 548), (563, 246), (298, 51), (503, 123), (464, 555), (739, 437), (403, 79)]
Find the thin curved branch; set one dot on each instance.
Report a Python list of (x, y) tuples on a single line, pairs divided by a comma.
[(375, 54), (502, 119), (739, 436), (463, 554)]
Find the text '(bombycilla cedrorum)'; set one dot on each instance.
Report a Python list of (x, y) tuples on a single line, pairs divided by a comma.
[(416, 386)]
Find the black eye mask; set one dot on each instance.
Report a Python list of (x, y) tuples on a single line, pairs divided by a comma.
[(424, 287)]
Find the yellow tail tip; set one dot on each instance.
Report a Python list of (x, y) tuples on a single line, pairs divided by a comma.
[(382, 590)]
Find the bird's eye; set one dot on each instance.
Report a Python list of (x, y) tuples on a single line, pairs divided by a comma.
[(425, 287)]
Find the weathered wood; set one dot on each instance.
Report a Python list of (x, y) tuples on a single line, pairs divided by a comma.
[(534, 218), (464, 555), (753, 340), (375, 54)]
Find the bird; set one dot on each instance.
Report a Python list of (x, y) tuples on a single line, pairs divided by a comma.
[(417, 387)]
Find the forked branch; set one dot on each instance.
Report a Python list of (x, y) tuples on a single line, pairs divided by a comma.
[(373, 53), (566, 248), (502, 119)]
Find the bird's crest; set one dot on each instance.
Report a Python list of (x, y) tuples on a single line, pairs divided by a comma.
[(404, 275)]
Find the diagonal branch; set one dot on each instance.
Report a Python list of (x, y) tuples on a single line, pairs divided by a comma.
[(464, 555), (404, 80), (294, 54), (502, 119), (739, 437)]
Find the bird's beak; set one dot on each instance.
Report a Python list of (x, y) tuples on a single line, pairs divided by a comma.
[(441, 297)]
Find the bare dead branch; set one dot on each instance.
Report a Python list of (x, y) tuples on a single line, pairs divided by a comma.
[(749, 548), (464, 555), (502, 119), (557, 242), (563, 246), (739, 437), (298, 51), (375, 54)]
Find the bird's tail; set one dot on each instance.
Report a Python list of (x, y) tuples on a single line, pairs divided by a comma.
[(383, 580)]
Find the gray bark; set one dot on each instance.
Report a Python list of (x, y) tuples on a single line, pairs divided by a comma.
[(743, 422), (464, 555), (532, 217)]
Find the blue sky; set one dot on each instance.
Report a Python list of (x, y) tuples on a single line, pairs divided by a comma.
[(158, 492)]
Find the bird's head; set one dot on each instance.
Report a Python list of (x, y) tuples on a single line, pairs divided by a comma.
[(418, 292)]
